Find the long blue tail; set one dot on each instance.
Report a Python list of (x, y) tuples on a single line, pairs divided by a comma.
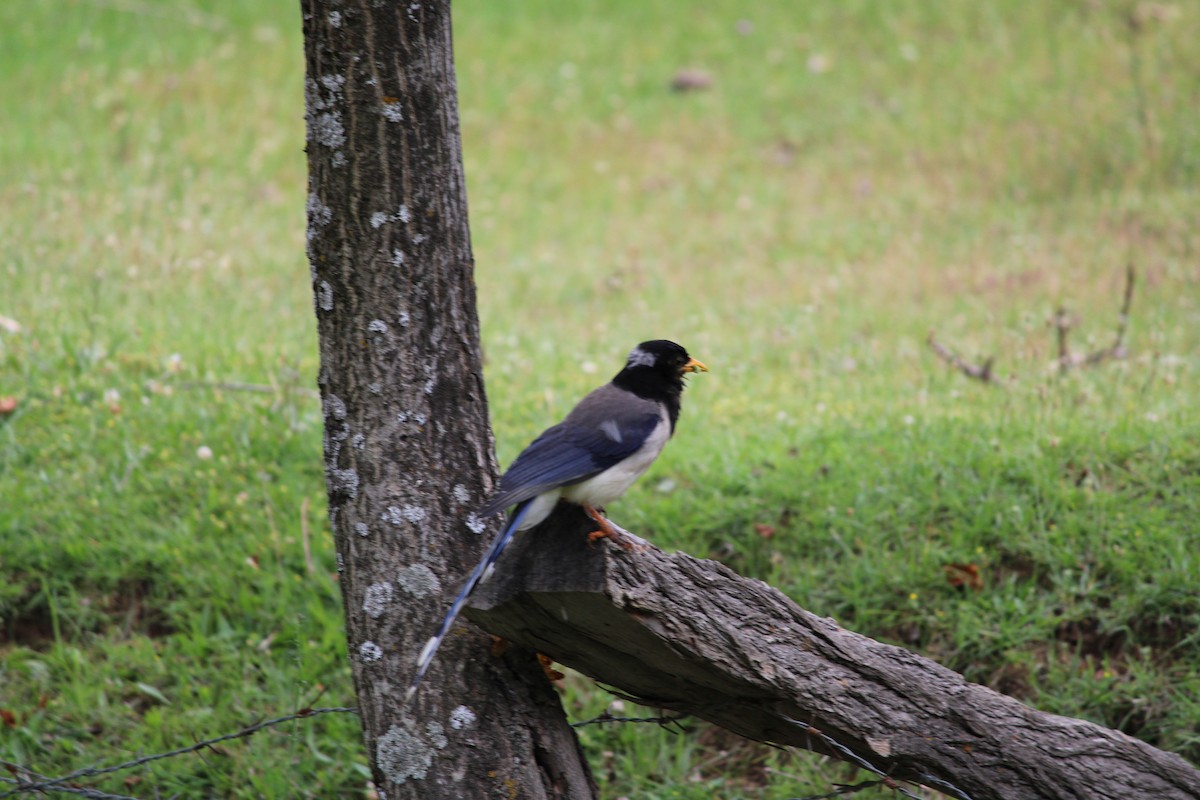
[(480, 573)]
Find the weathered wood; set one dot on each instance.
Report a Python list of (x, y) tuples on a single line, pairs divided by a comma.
[(408, 450), (691, 636)]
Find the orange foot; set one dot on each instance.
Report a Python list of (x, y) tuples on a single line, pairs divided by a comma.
[(606, 530)]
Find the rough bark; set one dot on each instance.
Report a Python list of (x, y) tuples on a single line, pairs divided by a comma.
[(691, 636), (407, 445)]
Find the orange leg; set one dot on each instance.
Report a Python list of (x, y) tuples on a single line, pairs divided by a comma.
[(606, 530)]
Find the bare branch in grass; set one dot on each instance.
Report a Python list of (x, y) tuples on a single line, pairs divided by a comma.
[(1062, 321), (980, 372)]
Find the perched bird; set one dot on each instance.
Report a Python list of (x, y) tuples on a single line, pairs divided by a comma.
[(590, 458)]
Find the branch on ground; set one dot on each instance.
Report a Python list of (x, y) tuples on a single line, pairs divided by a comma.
[(980, 372), (691, 637), (1067, 359)]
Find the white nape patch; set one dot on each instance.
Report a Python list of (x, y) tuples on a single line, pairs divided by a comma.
[(362, 529), (640, 358), (418, 580), (611, 430), (402, 754), (376, 599), (462, 717), (370, 651), (461, 494)]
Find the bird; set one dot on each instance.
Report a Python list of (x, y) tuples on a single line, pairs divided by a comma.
[(600, 448)]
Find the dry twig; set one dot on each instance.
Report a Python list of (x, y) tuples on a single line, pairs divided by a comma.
[(980, 372)]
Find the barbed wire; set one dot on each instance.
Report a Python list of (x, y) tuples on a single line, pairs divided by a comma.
[(42, 783), (662, 721), (885, 779)]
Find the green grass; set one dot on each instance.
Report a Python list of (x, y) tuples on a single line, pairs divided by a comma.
[(859, 174)]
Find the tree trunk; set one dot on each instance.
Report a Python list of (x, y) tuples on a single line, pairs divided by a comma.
[(408, 451), (691, 636)]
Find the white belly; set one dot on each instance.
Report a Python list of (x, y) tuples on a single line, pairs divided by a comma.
[(602, 489)]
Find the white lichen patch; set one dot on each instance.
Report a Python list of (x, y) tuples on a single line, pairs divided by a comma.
[(341, 562), (319, 214), (326, 129), (419, 238), (437, 734), (402, 755), (335, 407), (475, 524), (335, 19), (378, 219), (412, 513), (358, 441), (404, 319), (325, 296), (418, 580), (462, 717), (391, 112), (370, 651), (397, 258), (377, 326), (429, 384), (333, 84), (362, 529), (376, 599), (375, 388), (462, 495), (344, 480), (403, 214)]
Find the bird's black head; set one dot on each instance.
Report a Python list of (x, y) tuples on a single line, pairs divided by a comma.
[(655, 370)]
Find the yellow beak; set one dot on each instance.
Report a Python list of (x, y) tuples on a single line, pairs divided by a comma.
[(694, 366)]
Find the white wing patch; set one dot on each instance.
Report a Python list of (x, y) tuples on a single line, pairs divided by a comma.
[(611, 430), (640, 358)]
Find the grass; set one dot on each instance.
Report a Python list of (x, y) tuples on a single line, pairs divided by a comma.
[(858, 174)]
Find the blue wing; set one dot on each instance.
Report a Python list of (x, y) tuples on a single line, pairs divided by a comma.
[(607, 426), (481, 571)]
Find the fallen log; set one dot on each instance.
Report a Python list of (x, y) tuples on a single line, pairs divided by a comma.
[(691, 636)]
